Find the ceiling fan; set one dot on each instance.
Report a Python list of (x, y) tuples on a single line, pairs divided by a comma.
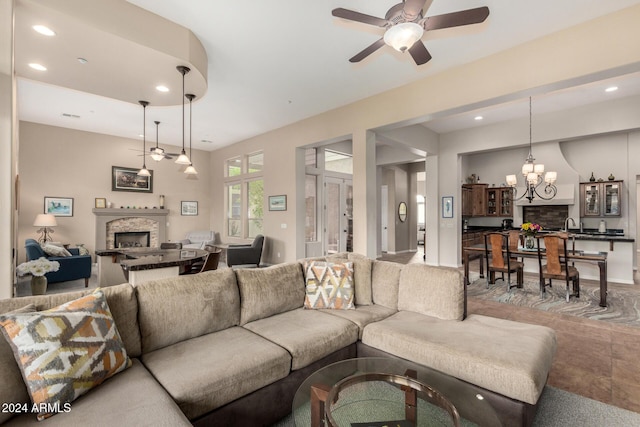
[(156, 152), (405, 23)]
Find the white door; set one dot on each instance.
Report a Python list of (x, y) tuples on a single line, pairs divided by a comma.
[(384, 217), (338, 215)]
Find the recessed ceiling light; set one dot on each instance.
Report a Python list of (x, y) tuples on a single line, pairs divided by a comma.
[(478, 118), (82, 60), (208, 141), (162, 88), (45, 31), (611, 89), (72, 116), (38, 67)]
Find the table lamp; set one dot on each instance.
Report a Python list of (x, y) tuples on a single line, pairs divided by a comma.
[(45, 222)]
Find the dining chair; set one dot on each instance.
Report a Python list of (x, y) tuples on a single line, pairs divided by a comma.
[(557, 265), (499, 259)]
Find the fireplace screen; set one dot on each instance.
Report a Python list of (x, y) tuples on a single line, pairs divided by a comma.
[(132, 239)]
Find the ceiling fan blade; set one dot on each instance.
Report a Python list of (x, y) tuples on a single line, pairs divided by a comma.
[(456, 19), (412, 9), (419, 53), (367, 51), (359, 17)]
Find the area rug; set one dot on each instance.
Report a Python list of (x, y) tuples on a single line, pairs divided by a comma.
[(556, 408), (623, 306)]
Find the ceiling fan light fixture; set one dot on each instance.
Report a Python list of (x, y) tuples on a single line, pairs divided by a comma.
[(157, 154), (402, 36)]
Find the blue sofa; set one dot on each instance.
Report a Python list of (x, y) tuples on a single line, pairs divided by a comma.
[(72, 267)]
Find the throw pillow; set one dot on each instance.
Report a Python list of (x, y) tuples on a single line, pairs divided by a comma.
[(64, 352), (54, 250), (329, 285)]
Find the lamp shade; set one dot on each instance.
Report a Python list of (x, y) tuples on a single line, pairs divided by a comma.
[(539, 169), (183, 159), (550, 177), (511, 180), (190, 170), (45, 220), (402, 36)]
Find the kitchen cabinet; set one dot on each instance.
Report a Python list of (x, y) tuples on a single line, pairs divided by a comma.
[(601, 199), (499, 201), (474, 199)]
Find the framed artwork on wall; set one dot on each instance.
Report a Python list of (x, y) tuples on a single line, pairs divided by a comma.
[(58, 206), (278, 203), (189, 208), (447, 207), (127, 179), (101, 202)]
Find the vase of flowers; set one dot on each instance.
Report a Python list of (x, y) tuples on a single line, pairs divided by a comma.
[(530, 229), (37, 268)]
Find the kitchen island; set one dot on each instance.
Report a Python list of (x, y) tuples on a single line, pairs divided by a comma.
[(137, 265)]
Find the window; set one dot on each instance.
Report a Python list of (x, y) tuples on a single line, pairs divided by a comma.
[(255, 204), (234, 166), (310, 156), (338, 162), (234, 217), (244, 195), (255, 162)]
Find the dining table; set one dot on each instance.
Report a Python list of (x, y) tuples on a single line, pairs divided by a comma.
[(573, 255)]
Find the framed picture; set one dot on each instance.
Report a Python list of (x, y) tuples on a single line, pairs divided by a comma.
[(447, 207), (189, 208), (101, 202), (58, 206), (278, 203), (127, 179)]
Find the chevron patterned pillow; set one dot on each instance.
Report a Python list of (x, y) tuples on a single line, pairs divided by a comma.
[(65, 351), (329, 285)]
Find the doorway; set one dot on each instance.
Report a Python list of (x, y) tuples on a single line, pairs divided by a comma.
[(338, 215)]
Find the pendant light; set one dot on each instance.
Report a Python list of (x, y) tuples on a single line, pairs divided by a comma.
[(532, 174), (144, 171), (183, 159), (190, 170), (157, 153)]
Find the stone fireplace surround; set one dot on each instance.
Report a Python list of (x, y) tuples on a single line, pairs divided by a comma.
[(108, 221)]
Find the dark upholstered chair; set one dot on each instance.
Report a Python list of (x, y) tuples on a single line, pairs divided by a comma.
[(557, 266), (171, 245), (210, 262), (72, 267), (246, 254), (498, 255)]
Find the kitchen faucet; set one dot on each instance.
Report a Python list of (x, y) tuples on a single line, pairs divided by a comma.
[(566, 228)]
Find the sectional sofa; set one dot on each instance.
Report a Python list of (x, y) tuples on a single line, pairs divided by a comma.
[(230, 347)]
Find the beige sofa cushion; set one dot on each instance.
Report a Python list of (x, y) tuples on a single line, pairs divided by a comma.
[(132, 398), (385, 277), (308, 335), (515, 364), (363, 315), (433, 291), (217, 368), (188, 306), (268, 291)]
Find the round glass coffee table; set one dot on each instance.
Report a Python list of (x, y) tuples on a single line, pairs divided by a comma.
[(376, 392)]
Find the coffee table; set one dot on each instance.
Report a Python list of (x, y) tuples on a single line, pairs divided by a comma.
[(373, 391)]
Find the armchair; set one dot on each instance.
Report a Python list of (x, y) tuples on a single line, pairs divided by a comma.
[(246, 254), (72, 267)]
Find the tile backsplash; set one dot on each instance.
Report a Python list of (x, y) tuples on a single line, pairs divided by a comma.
[(550, 217)]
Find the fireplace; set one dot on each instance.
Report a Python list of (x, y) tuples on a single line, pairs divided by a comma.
[(132, 239), (111, 220)]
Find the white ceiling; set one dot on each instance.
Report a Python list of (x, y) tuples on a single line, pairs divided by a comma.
[(274, 63)]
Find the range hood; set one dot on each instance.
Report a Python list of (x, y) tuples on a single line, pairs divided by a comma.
[(566, 196)]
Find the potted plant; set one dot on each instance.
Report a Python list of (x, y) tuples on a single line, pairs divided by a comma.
[(37, 268)]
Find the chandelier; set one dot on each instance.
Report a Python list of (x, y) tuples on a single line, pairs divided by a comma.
[(532, 174)]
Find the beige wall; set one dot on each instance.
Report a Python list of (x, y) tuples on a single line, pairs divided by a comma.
[(62, 162), (560, 60)]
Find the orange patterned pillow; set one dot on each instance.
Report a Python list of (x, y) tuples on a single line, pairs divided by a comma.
[(329, 285), (64, 352)]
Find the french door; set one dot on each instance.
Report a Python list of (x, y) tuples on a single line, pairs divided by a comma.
[(338, 215)]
